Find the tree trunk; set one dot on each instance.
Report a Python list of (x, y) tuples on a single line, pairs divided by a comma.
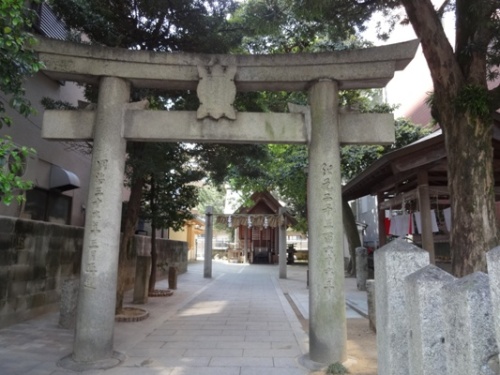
[(154, 260), (467, 136), (471, 184), (154, 257), (131, 216), (351, 232)]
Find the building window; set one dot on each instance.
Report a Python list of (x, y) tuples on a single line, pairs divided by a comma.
[(46, 205), (48, 24)]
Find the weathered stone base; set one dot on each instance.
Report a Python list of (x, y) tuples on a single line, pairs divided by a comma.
[(309, 364), (70, 364)]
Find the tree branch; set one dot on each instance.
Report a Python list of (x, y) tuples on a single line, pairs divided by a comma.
[(445, 71), (442, 8)]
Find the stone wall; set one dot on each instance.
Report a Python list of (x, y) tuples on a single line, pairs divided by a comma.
[(170, 253), (36, 257), (429, 322)]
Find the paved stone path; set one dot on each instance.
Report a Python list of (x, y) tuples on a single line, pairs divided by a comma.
[(238, 323)]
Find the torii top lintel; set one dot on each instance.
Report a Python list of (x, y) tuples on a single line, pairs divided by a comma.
[(351, 69)]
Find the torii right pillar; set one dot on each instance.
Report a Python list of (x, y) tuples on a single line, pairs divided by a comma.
[(327, 309)]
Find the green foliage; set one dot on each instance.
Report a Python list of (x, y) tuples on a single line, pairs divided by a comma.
[(337, 368), (475, 101), (12, 165), (209, 195), (17, 59), (168, 194), (188, 26), (49, 103), (287, 26)]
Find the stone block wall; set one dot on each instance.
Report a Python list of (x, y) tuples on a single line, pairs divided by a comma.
[(37, 257), (170, 253), (34, 259), (428, 322)]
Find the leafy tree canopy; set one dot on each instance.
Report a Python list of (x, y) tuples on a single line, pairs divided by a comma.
[(17, 59), (17, 62), (187, 26), (169, 193), (12, 164)]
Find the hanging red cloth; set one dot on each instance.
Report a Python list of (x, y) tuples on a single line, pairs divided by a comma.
[(387, 223)]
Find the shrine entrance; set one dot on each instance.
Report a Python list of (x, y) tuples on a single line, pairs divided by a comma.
[(216, 78), (257, 227)]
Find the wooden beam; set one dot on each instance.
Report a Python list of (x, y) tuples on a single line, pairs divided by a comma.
[(425, 214), (411, 162), (398, 200)]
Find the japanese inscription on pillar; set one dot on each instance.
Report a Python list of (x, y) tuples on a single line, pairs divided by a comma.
[(327, 236), (216, 91), (90, 269)]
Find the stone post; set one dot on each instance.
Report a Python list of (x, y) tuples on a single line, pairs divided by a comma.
[(372, 312), (426, 336), (470, 335), (172, 277), (68, 303), (493, 258), (141, 285), (361, 267), (393, 263), (93, 346), (207, 266), (327, 309), (282, 244)]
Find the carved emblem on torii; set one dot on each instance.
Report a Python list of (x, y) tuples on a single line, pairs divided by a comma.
[(216, 92)]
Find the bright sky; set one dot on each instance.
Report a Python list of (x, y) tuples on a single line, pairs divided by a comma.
[(409, 88)]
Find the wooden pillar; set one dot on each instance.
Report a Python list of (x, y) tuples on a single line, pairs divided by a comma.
[(425, 210)]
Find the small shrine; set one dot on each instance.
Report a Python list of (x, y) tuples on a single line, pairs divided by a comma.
[(257, 239)]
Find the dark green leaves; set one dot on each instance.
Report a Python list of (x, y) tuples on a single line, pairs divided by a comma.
[(17, 59)]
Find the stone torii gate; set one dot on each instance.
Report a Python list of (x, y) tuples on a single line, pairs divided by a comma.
[(216, 78)]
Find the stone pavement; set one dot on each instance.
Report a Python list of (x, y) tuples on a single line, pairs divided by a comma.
[(243, 321)]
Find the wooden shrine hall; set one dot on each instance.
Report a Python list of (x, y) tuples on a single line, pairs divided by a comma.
[(414, 178), (257, 229)]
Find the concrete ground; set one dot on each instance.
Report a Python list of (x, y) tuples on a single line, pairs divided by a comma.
[(243, 321)]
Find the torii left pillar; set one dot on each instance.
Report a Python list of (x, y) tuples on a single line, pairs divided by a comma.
[(93, 345)]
